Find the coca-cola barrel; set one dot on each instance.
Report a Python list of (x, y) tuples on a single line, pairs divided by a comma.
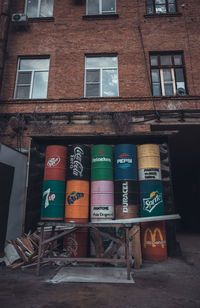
[(78, 162), (77, 200), (151, 198), (153, 241), (101, 163), (55, 163), (53, 200), (125, 162)]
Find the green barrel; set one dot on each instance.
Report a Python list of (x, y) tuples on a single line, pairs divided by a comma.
[(102, 163), (53, 200), (151, 198)]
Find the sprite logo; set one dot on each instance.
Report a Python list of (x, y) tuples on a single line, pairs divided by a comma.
[(74, 196), (154, 200)]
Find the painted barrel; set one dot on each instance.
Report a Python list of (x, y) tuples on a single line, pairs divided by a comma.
[(105, 187), (125, 162), (149, 174), (153, 241), (53, 200), (151, 198), (76, 243), (78, 163), (101, 163), (55, 163), (148, 156), (77, 200), (127, 199)]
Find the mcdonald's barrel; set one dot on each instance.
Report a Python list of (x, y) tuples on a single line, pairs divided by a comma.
[(53, 200), (102, 163), (77, 200), (153, 241), (78, 163), (149, 174), (76, 243), (148, 156), (125, 162), (55, 163), (151, 198)]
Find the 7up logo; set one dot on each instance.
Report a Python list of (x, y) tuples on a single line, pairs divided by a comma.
[(154, 200), (49, 197)]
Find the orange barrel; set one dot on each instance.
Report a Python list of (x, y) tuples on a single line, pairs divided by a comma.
[(148, 157), (77, 200), (55, 163), (153, 241), (76, 243)]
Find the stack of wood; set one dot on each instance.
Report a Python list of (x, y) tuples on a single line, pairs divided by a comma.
[(27, 249)]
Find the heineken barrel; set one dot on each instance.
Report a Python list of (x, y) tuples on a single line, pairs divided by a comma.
[(101, 163), (151, 198), (55, 163), (125, 157), (153, 241), (148, 157), (76, 243), (53, 197), (77, 200), (127, 199), (78, 162)]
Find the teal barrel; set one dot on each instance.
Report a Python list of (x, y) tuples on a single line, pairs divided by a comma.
[(126, 162), (151, 198), (101, 163), (53, 200)]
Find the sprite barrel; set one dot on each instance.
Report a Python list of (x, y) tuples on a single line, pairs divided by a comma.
[(53, 200), (101, 163), (151, 198), (125, 162)]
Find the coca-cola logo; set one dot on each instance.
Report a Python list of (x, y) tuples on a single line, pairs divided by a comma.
[(76, 162), (53, 161)]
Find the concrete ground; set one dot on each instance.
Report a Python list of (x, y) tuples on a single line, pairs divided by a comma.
[(173, 283)]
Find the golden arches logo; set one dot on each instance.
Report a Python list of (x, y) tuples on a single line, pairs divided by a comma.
[(153, 241)]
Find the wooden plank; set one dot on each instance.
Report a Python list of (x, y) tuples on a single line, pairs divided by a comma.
[(127, 254), (136, 246), (58, 236), (111, 236), (95, 260), (98, 243)]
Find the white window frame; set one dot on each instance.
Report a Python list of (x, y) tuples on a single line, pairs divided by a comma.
[(38, 10), (100, 9), (163, 83), (101, 70), (33, 71)]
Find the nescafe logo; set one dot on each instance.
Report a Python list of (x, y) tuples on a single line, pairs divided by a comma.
[(53, 161)]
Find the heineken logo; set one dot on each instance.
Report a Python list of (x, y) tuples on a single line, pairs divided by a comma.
[(74, 196), (101, 159), (154, 200), (53, 161), (50, 197)]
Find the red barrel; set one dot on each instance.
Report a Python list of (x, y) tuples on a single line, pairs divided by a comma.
[(55, 163), (153, 241)]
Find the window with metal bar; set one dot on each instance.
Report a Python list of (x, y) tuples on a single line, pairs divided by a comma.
[(161, 6)]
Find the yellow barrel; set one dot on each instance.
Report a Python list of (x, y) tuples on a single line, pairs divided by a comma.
[(148, 156)]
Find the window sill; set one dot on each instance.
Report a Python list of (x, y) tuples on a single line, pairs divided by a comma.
[(162, 15), (102, 16), (40, 19)]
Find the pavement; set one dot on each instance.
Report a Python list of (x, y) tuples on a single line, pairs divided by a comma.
[(174, 283)]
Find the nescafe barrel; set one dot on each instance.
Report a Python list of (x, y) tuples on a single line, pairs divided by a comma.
[(78, 163)]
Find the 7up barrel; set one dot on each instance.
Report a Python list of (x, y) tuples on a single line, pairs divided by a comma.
[(151, 198), (53, 197)]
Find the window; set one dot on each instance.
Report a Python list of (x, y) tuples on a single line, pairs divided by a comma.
[(96, 7), (160, 6), (167, 74), (39, 8), (32, 78), (101, 76)]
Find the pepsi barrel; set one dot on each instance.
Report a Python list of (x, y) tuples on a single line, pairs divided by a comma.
[(53, 200), (101, 163), (125, 162), (55, 163), (102, 200), (151, 198), (78, 163), (127, 199)]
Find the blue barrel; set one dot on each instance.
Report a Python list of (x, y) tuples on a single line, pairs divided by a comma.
[(125, 162), (151, 198)]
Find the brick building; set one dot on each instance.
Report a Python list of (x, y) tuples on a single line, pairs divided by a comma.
[(96, 71)]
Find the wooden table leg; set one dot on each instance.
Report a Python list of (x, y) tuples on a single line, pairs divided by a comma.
[(127, 254), (40, 249), (52, 243), (136, 246)]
